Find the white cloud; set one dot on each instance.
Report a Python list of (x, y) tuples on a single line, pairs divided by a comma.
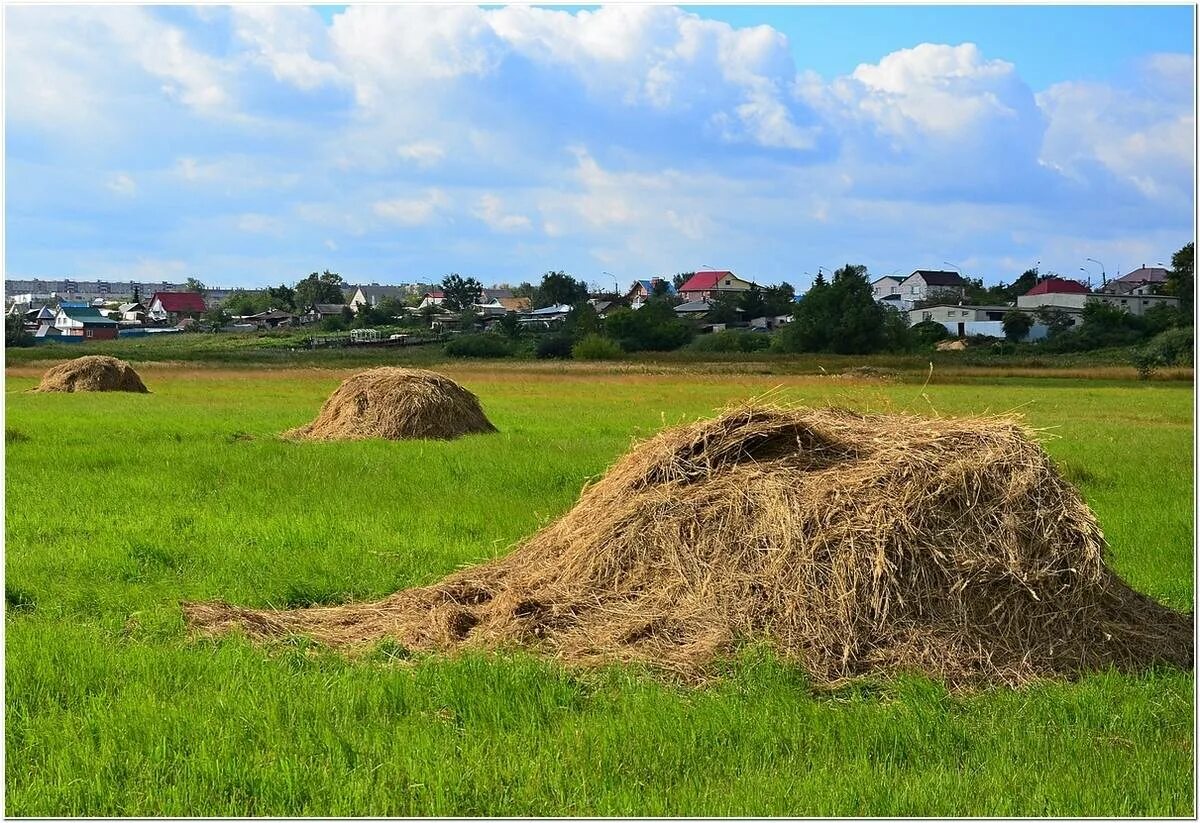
[(122, 184), (259, 224), (423, 153), (490, 210), (1144, 134), (284, 39), (412, 211)]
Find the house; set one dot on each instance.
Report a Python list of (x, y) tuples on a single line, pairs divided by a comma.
[(372, 295), (704, 285), (1055, 292), (517, 304), (174, 305), (487, 297), (693, 308), (927, 284), (770, 323), (317, 312), (546, 317), (954, 313), (85, 322), (642, 290), (1135, 302), (271, 318), (885, 286), (1143, 280), (131, 312)]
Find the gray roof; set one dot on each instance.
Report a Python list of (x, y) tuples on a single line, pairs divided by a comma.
[(939, 278), (693, 306)]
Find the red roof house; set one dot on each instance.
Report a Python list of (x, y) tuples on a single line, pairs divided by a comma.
[(177, 302), (1058, 285), (704, 284)]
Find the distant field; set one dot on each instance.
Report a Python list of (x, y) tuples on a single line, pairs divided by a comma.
[(286, 349), (120, 506)]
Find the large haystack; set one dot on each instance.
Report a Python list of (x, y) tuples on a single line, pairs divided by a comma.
[(94, 372), (851, 543), (397, 404)]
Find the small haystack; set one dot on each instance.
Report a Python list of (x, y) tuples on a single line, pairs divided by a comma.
[(851, 543), (94, 372), (397, 404), (951, 345)]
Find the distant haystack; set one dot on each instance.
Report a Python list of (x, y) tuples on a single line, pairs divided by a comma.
[(397, 404), (94, 372), (850, 543)]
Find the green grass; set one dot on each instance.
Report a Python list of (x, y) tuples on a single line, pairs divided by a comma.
[(120, 506)]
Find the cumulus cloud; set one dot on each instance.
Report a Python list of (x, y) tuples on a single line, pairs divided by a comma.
[(412, 211), (284, 39), (423, 153), (122, 184), (490, 209)]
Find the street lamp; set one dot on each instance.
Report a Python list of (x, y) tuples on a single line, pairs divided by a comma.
[(616, 288), (951, 265), (1103, 273)]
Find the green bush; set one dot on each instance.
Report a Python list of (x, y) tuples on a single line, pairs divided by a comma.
[(595, 347), (553, 346), (479, 345), (1172, 347), (928, 332), (731, 341)]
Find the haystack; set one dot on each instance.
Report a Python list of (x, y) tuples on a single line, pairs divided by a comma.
[(93, 372), (397, 404), (850, 543)]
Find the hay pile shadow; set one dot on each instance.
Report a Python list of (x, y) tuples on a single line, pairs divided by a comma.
[(850, 543), (396, 404), (93, 372)]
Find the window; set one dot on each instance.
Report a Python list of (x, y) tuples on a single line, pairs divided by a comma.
[(914, 290), (966, 314), (926, 315), (88, 332), (726, 282)]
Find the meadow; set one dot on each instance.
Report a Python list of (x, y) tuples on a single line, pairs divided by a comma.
[(118, 507)]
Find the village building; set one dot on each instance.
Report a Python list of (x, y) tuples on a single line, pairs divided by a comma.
[(927, 284), (705, 285), (173, 306), (1055, 292), (85, 322), (1142, 280)]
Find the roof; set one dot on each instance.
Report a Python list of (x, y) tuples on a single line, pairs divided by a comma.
[(561, 308), (124, 307), (693, 306), (705, 280), (383, 291), (514, 303), (497, 294), (329, 308), (180, 301), (436, 295), (886, 277), (648, 285), (1145, 275), (88, 316), (939, 278), (1058, 285)]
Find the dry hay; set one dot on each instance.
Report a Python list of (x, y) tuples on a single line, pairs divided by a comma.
[(951, 345), (877, 374), (850, 543), (397, 404), (93, 372)]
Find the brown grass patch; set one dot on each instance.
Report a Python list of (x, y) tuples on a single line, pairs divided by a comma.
[(396, 404), (93, 372), (850, 543)]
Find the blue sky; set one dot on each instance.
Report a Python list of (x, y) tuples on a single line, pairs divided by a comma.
[(251, 145)]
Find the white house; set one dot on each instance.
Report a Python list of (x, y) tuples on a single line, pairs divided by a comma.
[(883, 286), (926, 284)]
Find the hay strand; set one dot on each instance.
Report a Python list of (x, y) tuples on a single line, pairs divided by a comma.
[(93, 372), (396, 404), (851, 543)]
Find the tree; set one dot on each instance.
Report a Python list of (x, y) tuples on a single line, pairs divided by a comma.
[(325, 287), (1016, 325), (390, 307), (369, 316), (840, 317), (1181, 280), (283, 297), (582, 321), (15, 334), (653, 327), (724, 307), (660, 288), (681, 278), (779, 299), (752, 303), (215, 317), (559, 288), (460, 293), (1054, 319), (194, 285), (241, 303)]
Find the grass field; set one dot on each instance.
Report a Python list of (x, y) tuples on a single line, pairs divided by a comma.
[(118, 507)]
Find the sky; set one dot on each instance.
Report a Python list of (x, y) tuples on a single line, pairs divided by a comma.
[(250, 145)]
